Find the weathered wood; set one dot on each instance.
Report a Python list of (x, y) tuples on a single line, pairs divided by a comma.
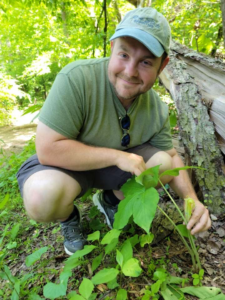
[(186, 78)]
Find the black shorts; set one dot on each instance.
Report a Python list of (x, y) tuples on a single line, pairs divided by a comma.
[(110, 178)]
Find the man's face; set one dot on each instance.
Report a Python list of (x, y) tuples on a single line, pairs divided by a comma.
[(132, 68)]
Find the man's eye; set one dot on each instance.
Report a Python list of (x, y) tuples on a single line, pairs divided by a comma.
[(146, 63), (123, 55)]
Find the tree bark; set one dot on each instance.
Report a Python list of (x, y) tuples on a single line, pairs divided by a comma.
[(197, 85)]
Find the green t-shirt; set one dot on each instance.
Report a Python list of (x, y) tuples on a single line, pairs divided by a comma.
[(83, 106)]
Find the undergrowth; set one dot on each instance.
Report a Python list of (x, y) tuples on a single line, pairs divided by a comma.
[(114, 264)]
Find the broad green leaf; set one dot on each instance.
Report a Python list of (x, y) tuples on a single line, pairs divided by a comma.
[(94, 236), (32, 258), (144, 209), (131, 268), (160, 274), (110, 247), (112, 284), (93, 296), (104, 276), (218, 297), (34, 296), (175, 280), (80, 253), (16, 291), (149, 178), (4, 202), (134, 240), (11, 245), (53, 291), (132, 187), (125, 210), (110, 236), (14, 231), (121, 294), (9, 274), (183, 230), (201, 292), (86, 287), (119, 257), (168, 294), (127, 251), (77, 297), (69, 265), (146, 239), (155, 287), (96, 262), (175, 172), (201, 273)]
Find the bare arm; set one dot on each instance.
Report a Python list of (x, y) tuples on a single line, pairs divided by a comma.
[(182, 186), (57, 150)]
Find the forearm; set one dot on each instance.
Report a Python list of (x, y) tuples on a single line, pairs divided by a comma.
[(181, 184), (74, 155)]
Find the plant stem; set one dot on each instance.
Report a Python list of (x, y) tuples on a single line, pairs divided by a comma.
[(177, 207), (11, 283), (182, 238)]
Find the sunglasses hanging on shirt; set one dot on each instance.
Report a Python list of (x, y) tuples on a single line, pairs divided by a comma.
[(125, 125)]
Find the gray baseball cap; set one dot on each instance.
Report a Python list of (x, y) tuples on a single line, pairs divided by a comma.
[(149, 27)]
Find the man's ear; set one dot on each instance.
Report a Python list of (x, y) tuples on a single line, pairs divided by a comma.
[(165, 62), (111, 44)]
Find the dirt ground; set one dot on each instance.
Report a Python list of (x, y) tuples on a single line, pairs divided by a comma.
[(14, 137)]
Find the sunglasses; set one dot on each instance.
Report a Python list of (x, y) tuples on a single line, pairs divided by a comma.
[(125, 125)]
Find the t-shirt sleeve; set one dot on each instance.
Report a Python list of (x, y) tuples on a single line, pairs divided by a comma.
[(163, 139), (62, 110)]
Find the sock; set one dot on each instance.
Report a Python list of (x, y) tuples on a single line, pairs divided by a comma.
[(110, 198), (72, 215)]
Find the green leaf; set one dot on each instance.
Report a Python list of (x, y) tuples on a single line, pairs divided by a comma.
[(93, 296), (32, 258), (94, 236), (104, 276), (146, 239), (131, 268), (160, 274), (14, 231), (121, 295), (175, 172), (156, 286), (86, 287), (80, 253), (9, 274), (201, 273), (126, 251), (218, 297), (11, 245), (77, 297), (196, 281), (168, 294), (96, 262), (110, 236), (145, 208), (134, 240), (119, 257), (183, 230), (149, 178), (69, 265), (52, 290), (125, 210), (112, 284), (34, 296), (201, 292), (131, 187), (110, 247), (16, 291), (4, 201)]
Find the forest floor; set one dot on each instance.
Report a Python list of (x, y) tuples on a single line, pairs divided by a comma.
[(169, 250)]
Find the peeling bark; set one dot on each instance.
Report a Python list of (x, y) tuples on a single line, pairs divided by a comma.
[(195, 82)]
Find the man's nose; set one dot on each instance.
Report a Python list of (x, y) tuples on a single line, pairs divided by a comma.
[(131, 69)]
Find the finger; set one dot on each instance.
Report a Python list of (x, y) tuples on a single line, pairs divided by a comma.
[(203, 224)]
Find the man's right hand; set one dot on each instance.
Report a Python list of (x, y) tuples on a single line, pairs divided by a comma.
[(130, 162)]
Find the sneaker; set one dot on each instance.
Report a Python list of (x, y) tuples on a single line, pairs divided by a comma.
[(107, 209), (73, 237)]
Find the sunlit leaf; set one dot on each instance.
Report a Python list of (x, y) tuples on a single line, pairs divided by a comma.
[(86, 287), (131, 268), (104, 276), (31, 259), (149, 178)]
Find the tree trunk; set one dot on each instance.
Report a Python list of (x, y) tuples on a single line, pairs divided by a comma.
[(197, 85)]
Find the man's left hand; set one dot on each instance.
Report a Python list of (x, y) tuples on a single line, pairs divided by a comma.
[(200, 219)]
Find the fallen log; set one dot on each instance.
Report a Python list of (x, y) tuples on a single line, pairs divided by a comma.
[(197, 85)]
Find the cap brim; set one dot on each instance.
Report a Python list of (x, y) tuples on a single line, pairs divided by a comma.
[(146, 39)]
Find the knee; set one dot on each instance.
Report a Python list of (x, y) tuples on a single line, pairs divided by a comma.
[(160, 158), (37, 199)]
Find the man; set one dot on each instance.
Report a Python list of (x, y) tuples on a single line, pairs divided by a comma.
[(102, 123)]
